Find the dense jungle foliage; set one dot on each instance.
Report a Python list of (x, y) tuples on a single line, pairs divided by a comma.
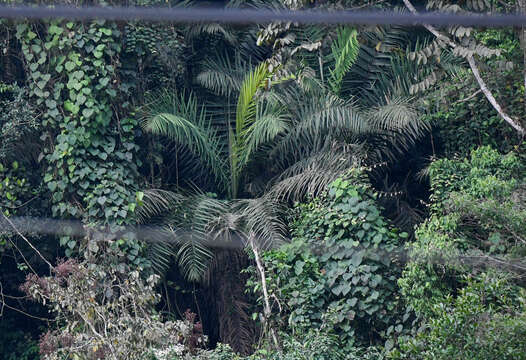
[(279, 191)]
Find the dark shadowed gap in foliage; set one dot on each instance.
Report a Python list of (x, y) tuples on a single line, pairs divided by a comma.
[(402, 191), (19, 333), (179, 295), (14, 69), (221, 304)]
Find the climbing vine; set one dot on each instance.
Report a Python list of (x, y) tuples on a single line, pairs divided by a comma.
[(340, 271), (73, 78)]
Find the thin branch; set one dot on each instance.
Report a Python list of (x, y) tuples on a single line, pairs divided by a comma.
[(472, 64), (266, 303), (21, 254), (469, 97), (4, 304), (25, 313), (24, 204), (2, 299), (27, 241), (491, 99)]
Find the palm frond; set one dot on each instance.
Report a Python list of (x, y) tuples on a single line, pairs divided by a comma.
[(160, 255), (245, 116), (261, 217), (246, 105), (197, 230), (157, 202), (193, 258), (178, 118), (308, 81), (270, 122), (211, 29), (345, 50), (316, 123), (310, 175), (378, 46), (222, 75), (400, 120)]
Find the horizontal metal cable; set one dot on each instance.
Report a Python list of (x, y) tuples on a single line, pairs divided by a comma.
[(148, 233), (253, 16), (158, 234)]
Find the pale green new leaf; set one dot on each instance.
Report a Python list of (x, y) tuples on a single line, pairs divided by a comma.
[(345, 50)]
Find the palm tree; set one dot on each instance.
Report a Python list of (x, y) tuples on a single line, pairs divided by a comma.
[(226, 157), (290, 134), (265, 134), (180, 119)]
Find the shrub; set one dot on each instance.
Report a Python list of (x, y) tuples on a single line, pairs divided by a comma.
[(483, 322), (106, 314), (477, 213), (313, 345), (463, 277)]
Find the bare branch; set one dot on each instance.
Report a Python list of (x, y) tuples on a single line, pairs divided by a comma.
[(472, 64), (469, 97), (266, 307)]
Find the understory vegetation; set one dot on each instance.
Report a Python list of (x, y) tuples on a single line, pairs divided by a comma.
[(272, 191)]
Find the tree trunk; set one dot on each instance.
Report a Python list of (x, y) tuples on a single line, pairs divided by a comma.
[(232, 305)]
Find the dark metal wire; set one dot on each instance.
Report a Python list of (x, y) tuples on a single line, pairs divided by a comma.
[(248, 16)]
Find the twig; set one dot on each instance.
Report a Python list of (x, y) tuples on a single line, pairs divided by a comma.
[(27, 241), (197, 305), (24, 204), (469, 97), (277, 302), (2, 299), (24, 313), (167, 296), (23, 257)]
